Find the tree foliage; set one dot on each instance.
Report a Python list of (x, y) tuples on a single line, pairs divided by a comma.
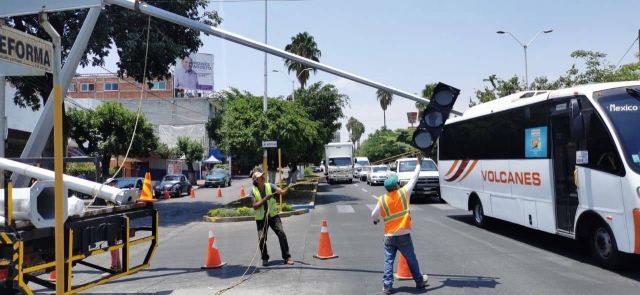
[(192, 151), (384, 144), (303, 45), (597, 69), (107, 131), (385, 98), (125, 30)]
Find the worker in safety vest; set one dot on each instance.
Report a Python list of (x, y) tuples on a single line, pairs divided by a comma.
[(393, 208), (263, 203)]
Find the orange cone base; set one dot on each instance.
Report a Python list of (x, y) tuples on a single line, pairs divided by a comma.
[(324, 257), (146, 201), (401, 278), (216, 266)]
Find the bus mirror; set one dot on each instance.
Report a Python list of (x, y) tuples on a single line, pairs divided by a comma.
[(577, 124)]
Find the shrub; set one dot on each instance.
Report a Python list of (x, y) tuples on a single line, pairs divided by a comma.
[(308, 171)]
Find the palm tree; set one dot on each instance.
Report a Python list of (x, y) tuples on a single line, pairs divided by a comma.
[(303, 45), (350, 125), (426, 93), (358, 131), (385, 99)]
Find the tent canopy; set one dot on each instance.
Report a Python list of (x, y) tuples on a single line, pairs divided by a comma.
[(212, 159)]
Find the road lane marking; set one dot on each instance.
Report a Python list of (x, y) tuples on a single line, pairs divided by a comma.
[(374, 196), (371, 206), (364, 190), (355, 184), (345, 209)]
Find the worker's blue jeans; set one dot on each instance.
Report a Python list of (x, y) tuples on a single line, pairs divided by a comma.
[(404, 244)]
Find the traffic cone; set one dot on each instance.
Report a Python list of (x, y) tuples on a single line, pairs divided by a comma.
[(213, 254), (404, 273), (166, 194), (324, 248), (242, 195), (219, 192), (193, 194), (52, 276), (147, 192)]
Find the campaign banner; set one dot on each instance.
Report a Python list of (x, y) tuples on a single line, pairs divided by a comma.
[(194, 72)]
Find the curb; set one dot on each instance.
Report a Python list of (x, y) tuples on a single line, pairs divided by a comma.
[(250, 218)]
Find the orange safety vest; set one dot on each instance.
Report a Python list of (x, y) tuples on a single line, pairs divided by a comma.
[(395, 211)]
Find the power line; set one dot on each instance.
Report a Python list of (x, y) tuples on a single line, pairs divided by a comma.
[(625, 54)]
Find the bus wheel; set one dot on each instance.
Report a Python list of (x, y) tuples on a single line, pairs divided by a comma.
[(478, 215), (603, 247)]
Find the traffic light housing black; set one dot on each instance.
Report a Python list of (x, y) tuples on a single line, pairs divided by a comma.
[(434, 116)]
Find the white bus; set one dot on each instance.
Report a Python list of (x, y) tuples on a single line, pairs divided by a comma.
[(565, 162)]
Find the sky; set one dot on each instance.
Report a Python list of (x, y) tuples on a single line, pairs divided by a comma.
[(407, 44)]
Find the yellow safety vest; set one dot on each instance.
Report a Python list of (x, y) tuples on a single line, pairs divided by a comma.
[(273, 206), (395, 211)]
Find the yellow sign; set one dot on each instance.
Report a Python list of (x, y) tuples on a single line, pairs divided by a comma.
[(21, 48)]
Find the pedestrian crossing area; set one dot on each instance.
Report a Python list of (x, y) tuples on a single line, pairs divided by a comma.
[(370, 207)]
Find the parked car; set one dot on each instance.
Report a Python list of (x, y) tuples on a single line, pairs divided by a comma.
[(176, 184), (361, 172), (377, 174), (217, 177)]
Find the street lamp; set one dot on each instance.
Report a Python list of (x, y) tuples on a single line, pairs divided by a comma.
[(293, 81), (293, 87), (526, 70)]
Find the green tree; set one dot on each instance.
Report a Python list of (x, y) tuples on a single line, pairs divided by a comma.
[(385, 98), (244, 126), (166, 152), (427, 92), (192, 151), (119, 28), (108, 131), (384, 144), (323, 104), (358, 131), (350, 124), (303, 45)]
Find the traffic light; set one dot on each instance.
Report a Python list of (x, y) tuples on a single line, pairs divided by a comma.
[(434, 116)]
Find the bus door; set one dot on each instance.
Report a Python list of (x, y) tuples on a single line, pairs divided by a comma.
[(563, 153)]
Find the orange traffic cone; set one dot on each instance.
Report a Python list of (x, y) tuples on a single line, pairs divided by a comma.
[(213, 254), (404, 273), (147, 192), (52, 276), (324, 248), (166, 194), (193, 193), (242, 195), (219, 192)]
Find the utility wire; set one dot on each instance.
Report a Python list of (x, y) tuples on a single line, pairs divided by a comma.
[(625, 54)]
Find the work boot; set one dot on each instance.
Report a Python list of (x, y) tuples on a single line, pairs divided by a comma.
[(265, 262), (289, 262), (113, 268), (423, 284), (386, 291)]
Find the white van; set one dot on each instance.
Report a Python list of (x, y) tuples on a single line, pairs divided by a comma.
[(360, 162)]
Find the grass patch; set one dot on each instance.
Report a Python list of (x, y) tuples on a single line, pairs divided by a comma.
[(238, 212)]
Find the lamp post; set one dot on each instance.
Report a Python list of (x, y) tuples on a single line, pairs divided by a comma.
[(293, 87), (293, 81), (526, 70)]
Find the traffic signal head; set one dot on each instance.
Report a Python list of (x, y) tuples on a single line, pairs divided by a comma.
[(434, 116)]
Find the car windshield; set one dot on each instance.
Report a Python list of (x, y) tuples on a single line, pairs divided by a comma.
[(346, 161), (362, 163), (171, 178), (623, 109), (408, 166), (218, 172), (126, 183), (380, 169)]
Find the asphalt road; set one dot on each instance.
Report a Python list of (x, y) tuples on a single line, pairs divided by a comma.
[(458, 257)]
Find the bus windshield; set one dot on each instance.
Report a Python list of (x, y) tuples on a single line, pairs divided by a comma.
[(623, 109)]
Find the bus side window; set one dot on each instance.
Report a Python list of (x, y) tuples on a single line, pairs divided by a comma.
[(603, 154)]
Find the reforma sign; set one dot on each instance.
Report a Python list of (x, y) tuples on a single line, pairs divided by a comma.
[(194, 72), (21, 48)]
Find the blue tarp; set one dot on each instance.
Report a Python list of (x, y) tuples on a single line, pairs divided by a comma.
[(217, 154)]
